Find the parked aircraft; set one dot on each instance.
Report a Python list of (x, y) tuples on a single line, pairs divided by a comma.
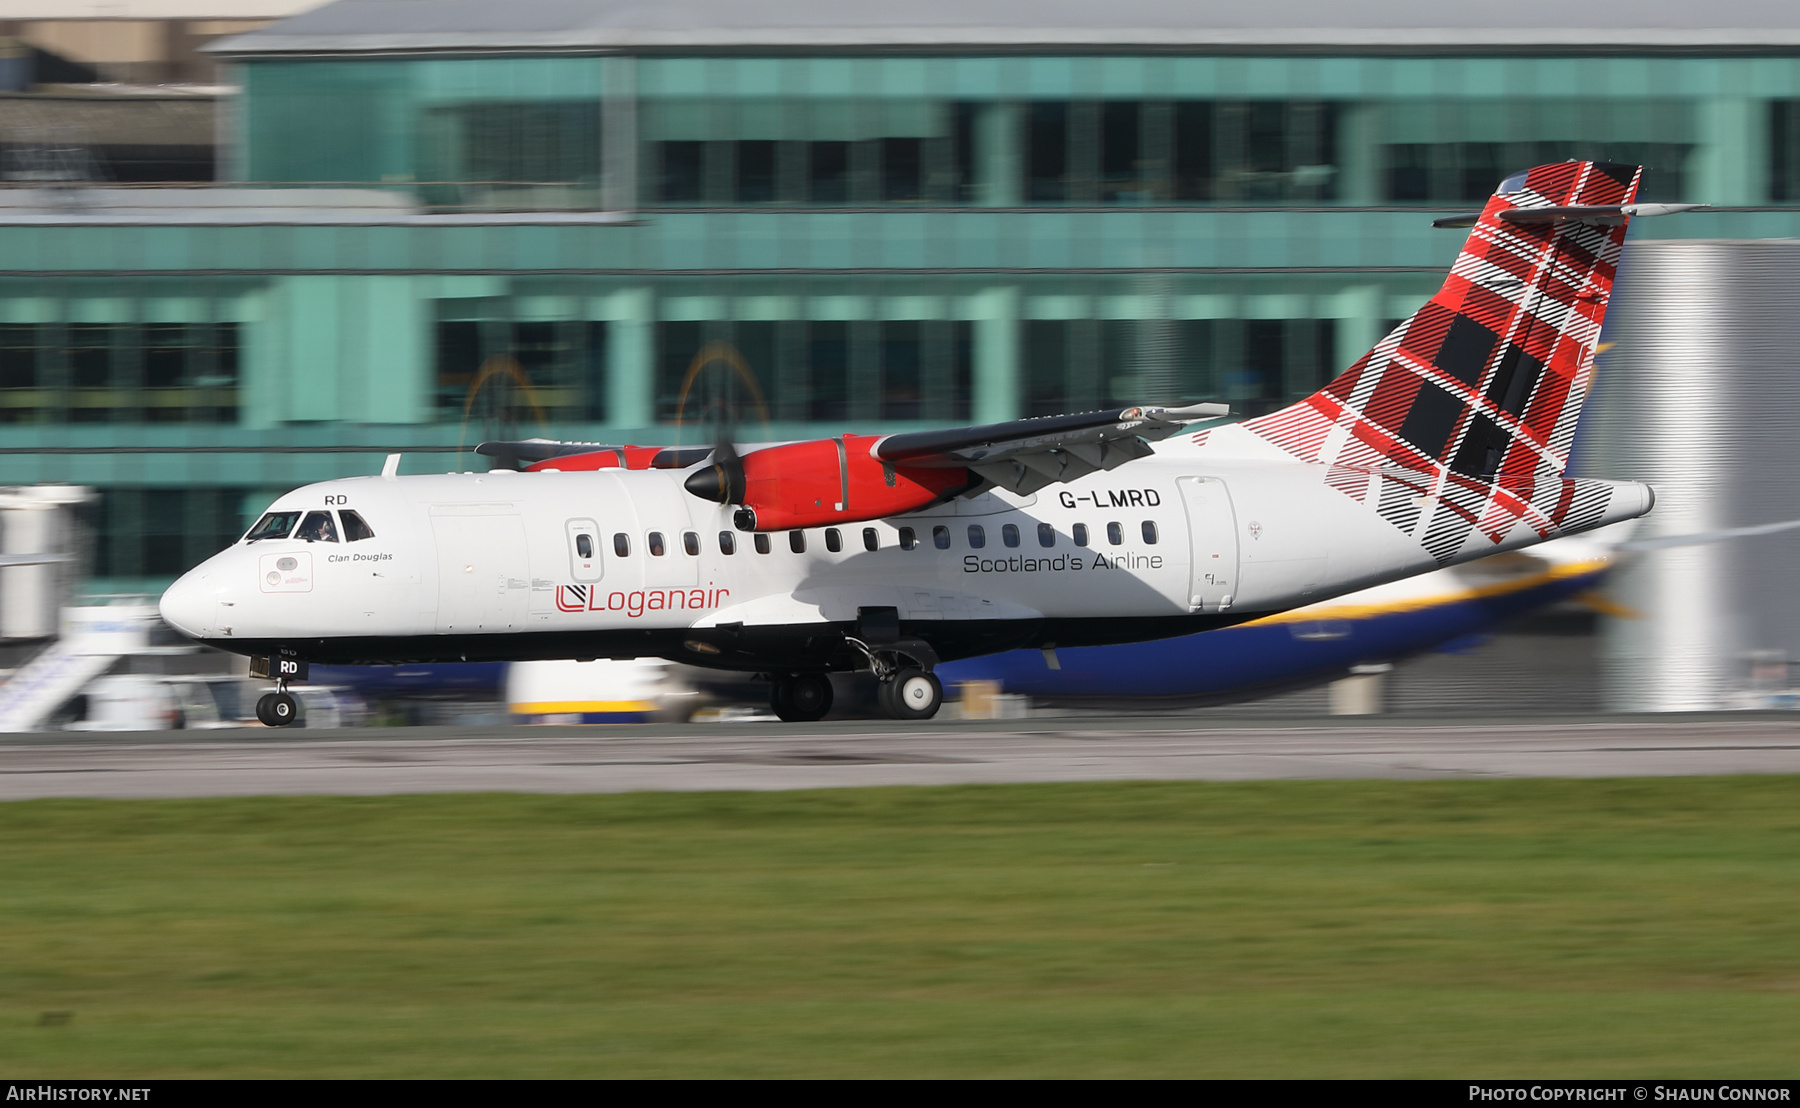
[(1307, 645), (1445, 443)]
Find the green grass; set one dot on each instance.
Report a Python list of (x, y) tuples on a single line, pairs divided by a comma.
[(1542, 928)]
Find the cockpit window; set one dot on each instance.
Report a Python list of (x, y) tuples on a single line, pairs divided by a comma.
[(355, 530), (1513, 183), (273, 525), (317, 527)]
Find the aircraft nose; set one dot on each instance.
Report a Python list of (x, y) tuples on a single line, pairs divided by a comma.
[(189, 606)]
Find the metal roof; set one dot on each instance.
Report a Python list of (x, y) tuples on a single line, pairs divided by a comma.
[(387, 26)]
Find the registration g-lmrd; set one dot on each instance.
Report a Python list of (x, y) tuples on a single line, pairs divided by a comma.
[(1111, 498)]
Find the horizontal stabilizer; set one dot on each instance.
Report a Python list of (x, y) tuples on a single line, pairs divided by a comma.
[(1597, 215)]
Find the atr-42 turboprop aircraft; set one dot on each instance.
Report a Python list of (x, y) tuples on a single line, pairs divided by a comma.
[(1445, 443)]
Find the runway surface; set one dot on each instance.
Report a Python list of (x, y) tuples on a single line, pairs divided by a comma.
[(785, 756)]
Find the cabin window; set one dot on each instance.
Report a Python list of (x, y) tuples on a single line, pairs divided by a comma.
[(940, 537), (727, 542), (1150, 532), (273, 525), (871, 541), (762, 543), (1115, 534), (584, 545), (797, 541), (355, 530), (1009, 535), (317, 527), (1079, 531), (690, 542), (655, 542), (1046, 535), (834, 539), (977, 537), (908, 540), (622, 545)]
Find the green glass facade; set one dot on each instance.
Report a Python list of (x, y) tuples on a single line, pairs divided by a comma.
[(604, 247)]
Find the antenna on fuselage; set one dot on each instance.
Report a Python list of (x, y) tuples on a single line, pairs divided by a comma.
[(391, 467)]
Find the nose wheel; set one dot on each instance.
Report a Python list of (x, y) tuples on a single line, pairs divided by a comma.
[(277, 709), (800, 697), (911, 693)]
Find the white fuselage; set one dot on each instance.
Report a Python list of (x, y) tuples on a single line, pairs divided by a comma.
[(625, 563)]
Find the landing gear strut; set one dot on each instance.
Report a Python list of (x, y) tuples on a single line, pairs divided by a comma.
[(800, 697)]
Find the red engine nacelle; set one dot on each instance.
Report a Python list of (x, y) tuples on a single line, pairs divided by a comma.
[(624, 457), (821, 482)]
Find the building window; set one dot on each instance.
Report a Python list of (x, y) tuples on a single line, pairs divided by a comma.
[(1784, 150), (511, 155), (681, 178), (162, 533), (755, 172), (119, 373), (1469, 172), (518, 377), (1046, 152), (814, 371)]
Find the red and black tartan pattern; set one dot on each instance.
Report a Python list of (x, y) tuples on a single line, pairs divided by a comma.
[(1461, 420)]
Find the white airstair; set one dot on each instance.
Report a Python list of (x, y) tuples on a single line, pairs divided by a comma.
[(92, 640)]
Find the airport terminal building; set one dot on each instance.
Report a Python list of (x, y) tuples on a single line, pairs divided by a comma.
[(441, 222)]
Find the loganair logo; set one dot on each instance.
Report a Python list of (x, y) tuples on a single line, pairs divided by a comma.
[(592, 598)]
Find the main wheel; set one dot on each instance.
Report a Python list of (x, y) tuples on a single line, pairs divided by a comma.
[(802, 697), (914, 694), (276, 709)]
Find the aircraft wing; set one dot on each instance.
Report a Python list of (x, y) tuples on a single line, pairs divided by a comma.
[(1024, 455)]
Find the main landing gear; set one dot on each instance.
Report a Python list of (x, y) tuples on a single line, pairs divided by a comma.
[(800, 697), (906, 688), (910, 693), (277, 709)]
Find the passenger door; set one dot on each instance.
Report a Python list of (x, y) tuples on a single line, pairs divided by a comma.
[(1212, 533)]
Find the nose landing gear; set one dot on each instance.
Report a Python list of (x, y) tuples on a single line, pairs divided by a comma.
[(277, 709)]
